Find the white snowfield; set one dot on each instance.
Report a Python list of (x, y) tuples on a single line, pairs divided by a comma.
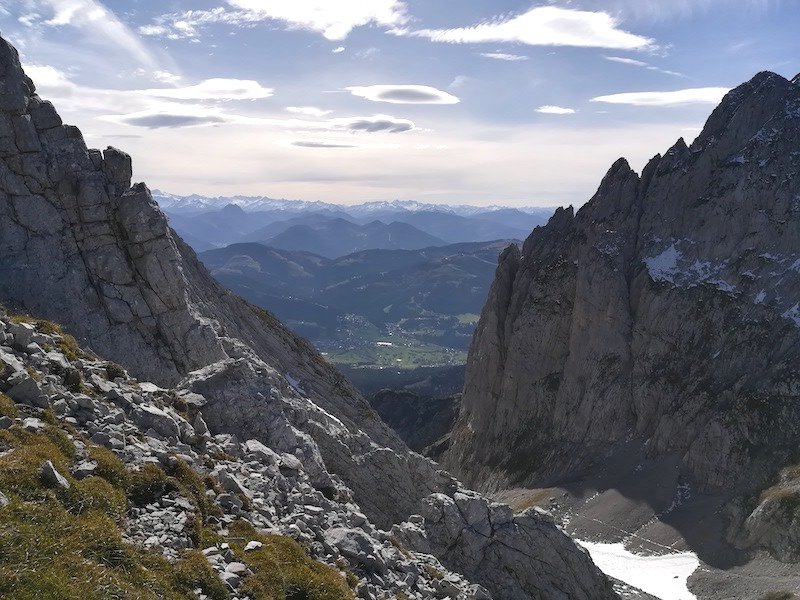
[(662, 576)]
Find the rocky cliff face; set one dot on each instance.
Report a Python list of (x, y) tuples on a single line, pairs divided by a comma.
[(80, 246), (665, 310)]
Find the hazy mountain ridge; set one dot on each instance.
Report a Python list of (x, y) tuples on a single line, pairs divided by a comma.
[(336, 230), (402, 293)]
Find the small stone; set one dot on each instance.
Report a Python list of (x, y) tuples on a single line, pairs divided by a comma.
[(84, 469), (231, 579), (232, 484), (253, 545), (52, 477), (236, 567), (33, 425), (290, 462)]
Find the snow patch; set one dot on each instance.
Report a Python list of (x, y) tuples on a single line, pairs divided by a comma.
[(760, 297), (683, 493), (793, 314), (664, 267), (295, 383), (723, 285), (663, 576)]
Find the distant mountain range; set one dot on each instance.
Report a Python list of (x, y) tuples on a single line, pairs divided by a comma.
[(332, 230), (195, 203)]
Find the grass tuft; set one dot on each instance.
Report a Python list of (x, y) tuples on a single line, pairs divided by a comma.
[(7, 407), (283, 569)]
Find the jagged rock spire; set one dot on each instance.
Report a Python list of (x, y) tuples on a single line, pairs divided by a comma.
[(640, 316)]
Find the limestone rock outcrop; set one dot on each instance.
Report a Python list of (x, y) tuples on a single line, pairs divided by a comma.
[(80, 246), (664, 310)]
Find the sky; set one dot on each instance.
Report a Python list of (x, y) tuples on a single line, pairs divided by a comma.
[(451, 101)]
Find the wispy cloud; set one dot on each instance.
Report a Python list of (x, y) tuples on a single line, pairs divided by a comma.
[(313, 144), (98, 25), (663, 10), (549, 109), (640, 63), (334, 20), (626, 61), (739, 46), (707, 95), (504, 56), (310, 111), (166, 77), (403, 94), (546, 26)]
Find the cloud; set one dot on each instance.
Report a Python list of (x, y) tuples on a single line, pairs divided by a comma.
[(707, 95), (49, 80), (626, 61), (166, 77), (334, 20), (303, 144), (311, 111), (215, 89), (546, 26), (549, 109), (503, 56), (403, 94), (380, 123), (169, 107), (459, 81), (338, 50), (641, 63), (157, 120)]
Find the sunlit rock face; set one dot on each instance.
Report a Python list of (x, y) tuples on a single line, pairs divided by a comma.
[(665, 310)]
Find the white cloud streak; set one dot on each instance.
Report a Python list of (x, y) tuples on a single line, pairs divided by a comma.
[(707, 95), (549, 109), (403, 94), (640, 63), (546, 26), (214, 89), (504, 56)]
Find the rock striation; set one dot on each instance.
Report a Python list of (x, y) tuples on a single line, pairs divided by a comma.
[(81, 246), (665, 310)]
